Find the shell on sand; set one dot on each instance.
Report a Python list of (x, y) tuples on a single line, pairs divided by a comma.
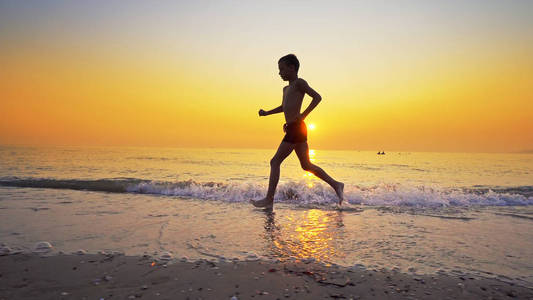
[(42, 247), (252, 257), (165, 256), (81, 252), (4, 250)]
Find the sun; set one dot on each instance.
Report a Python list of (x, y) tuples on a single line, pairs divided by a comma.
[(312, 126)]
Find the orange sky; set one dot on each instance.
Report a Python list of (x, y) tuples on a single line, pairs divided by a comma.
[(417, 77)]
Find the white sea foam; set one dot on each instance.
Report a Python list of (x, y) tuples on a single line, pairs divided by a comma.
[(320, 194), (299, 193)]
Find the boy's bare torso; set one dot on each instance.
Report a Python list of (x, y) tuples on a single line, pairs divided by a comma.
[(292, 101)]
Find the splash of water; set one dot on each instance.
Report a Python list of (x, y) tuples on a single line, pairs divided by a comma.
[(298, 193)]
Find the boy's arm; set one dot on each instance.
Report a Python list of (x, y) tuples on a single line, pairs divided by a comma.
[(270, 112), (306, 89)]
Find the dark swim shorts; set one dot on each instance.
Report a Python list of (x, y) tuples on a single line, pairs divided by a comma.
[(295, 132)]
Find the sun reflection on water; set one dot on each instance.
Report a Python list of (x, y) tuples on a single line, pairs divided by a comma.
[(312, 234)]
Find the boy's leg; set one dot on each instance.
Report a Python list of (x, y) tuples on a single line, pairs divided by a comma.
[(284, 150), (302, 150)]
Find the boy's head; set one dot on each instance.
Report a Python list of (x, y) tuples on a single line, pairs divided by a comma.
[(288, 66)]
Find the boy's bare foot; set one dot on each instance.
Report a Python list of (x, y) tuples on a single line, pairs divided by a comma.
[(340, 192), (267, 203)]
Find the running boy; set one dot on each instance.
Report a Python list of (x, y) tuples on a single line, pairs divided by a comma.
[(295, 129)]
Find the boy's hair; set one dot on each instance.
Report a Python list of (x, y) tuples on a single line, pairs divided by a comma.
[(290, 60)]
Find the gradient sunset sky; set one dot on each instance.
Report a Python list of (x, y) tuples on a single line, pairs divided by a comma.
[(393, 75)]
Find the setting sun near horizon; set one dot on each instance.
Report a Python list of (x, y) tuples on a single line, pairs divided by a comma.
[(416, 76)]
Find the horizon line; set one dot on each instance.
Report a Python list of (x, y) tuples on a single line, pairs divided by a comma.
[(525, 151)]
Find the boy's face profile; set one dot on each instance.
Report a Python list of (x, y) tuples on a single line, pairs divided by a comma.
[(285, 70)]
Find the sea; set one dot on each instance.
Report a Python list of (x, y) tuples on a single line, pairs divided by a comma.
[(414, 212)]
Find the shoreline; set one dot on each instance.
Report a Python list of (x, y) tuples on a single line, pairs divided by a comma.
[(116, 276)]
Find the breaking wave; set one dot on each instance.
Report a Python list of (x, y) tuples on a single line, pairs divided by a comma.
[(298, 193)]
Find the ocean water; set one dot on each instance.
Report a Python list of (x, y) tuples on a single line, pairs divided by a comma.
[(415, 212)]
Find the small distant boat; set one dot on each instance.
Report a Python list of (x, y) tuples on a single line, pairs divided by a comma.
[(381, 153)]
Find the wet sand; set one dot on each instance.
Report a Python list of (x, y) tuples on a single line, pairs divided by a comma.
[(113, 276)]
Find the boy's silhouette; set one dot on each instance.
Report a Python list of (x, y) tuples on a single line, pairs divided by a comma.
[(295, 129)]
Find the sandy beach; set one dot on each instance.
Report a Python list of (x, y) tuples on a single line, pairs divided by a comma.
[(115, 276)]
